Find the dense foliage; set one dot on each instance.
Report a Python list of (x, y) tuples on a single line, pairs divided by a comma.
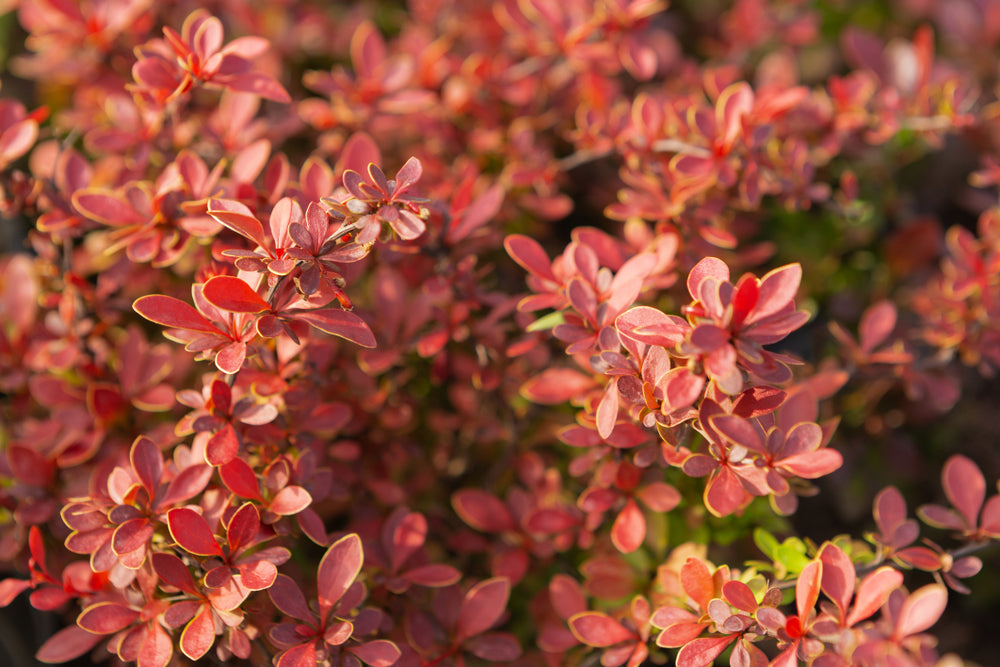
[(499, 331)]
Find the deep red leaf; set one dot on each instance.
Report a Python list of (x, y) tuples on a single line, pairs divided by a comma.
[(191, 532), (147, 461), (240, 478), (482, 607), (341, 323), (222, 447), (495, 647), (173, 572), (377, 653), (243, 527)]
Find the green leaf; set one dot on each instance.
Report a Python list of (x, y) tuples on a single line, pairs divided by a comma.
[(550, 321), (766, 542)]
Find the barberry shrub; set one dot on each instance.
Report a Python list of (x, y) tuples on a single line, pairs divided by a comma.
[(499, 331)]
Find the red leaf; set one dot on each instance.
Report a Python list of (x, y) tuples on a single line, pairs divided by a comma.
[(740, 596), (258, 84), (407, 536), (629, 529), (724, 494), (239, 218), (557, 385), (341, 323), (873, 591), (596, 629), (530, 255), (68, 643), (807, 588), (105, 618), (187, 484), (920, 610), (132, 535), (222, 447), (157, 648), (482, 510), (482, 607), (701, 652), (566, 596), (190, 530), (171, 312), (230, 358), (377, 653), (302, 655), (199, 634), (11, 588), (104, 207), (234, 295), (337, 571), (697, 582)]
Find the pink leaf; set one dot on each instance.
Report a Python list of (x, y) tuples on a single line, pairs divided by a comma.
[(876, 324), (408, 174), (965, 487), (377, 653), (607, 409), (234, 295), (838, 576), (434, 575), (337, 571), (258, 84), (651, 326), (288, 598), (482, 607), (67, 644), (920, 610), (557, 385), (339, 323), (290, 500), (724, 494), (190, 530), (199, 634), (495, 647), (873, 592), (157, 648), (709, 267), (777, 290)]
